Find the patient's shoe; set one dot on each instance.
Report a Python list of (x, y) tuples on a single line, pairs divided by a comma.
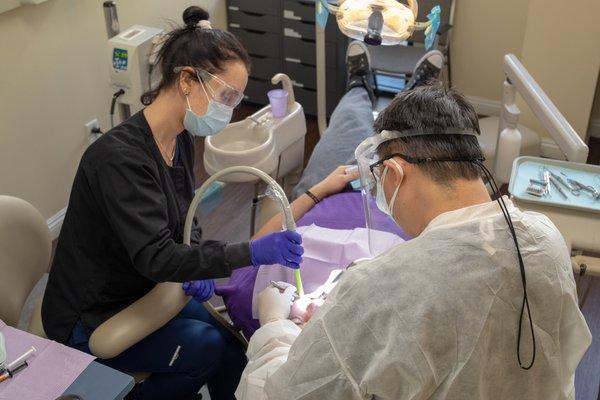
[(428, 69), (358, 65)]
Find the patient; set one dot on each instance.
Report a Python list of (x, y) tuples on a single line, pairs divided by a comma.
[(480, 304)]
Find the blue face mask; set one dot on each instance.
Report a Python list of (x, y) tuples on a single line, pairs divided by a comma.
[(214, 121)]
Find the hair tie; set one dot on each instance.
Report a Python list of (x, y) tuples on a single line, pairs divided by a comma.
[(205, 24)]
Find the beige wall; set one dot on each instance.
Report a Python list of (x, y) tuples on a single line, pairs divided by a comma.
[(54, 79), (561, 50), (558, 45), (485, 30)]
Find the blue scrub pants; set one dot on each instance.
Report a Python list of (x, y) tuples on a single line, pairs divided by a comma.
[(191, 350)]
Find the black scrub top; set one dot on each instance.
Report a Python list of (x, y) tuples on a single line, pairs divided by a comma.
[(123, 231)]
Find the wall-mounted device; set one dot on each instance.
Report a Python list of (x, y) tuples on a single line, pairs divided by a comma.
[(130, 68)]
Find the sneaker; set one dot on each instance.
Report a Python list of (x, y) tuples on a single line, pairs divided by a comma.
[(428, 68), (358, 65)]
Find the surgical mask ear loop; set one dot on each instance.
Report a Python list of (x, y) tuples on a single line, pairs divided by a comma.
[(187, 98), (203, 88), (393, 199), (187, 95)]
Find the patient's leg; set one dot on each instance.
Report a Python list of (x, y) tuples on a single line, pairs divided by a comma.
[(351, 123)]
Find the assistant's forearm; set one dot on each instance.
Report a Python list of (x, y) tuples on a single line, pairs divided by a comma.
[(300, 206)]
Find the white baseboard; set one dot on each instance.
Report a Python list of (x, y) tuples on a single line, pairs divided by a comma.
[(594, 128), (485, 106), (55, 222)]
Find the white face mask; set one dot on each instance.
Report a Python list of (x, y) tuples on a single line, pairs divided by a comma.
[(381, 201)]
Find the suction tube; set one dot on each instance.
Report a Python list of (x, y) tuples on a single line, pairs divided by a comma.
[(290, 224), (167, 299)]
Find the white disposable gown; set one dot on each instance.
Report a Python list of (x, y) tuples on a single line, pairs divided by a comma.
[(435, 318)]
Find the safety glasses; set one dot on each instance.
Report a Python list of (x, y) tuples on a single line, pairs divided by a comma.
[(377, 167), (220, 91)]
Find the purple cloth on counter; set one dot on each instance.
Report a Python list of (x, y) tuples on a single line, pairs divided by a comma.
[(52, 368), (341, 211)]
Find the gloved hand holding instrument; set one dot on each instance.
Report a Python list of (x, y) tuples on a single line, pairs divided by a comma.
[(283, 248), (201, 291)]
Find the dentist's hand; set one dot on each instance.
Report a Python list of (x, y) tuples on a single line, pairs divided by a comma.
[(283, 248), (201, 291), (274, 305)]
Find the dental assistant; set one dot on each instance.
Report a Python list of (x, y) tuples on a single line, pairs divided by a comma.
[(123, 230)]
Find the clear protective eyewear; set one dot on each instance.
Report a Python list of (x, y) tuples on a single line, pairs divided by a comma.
[(220, 91), (370, 162)]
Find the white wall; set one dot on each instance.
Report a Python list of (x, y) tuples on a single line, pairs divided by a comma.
[(561, 50), (485, 30), (53, 79)]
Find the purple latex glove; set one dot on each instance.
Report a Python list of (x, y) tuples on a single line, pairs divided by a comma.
[(283, 248), (201, 291)]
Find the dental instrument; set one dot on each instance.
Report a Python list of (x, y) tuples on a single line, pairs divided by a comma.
[(586, 188), (556, 185), (536, 191), (282, 289), (9, 373), (546, 177), (575, 191), (21, 358)]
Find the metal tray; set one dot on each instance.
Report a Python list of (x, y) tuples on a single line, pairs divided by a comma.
[(527, 167)]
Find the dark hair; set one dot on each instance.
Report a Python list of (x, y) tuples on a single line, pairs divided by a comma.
[(433, 108), (191, 45)]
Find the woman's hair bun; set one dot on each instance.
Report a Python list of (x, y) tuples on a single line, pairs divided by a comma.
[(194, 14)]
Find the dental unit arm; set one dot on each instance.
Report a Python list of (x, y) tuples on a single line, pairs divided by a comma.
[(518, 80), (167, 299)]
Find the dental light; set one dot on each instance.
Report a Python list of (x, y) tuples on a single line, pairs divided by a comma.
[(376, 22), (381, 22)]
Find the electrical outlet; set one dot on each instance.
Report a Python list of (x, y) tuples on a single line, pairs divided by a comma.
[(90, 128)]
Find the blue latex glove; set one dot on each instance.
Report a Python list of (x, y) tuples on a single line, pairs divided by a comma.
[(283, 248), (201, 291)]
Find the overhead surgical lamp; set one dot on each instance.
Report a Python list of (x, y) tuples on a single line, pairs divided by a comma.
[(376, 22)]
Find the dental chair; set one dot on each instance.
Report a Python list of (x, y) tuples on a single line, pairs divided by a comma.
[(25, 249)]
